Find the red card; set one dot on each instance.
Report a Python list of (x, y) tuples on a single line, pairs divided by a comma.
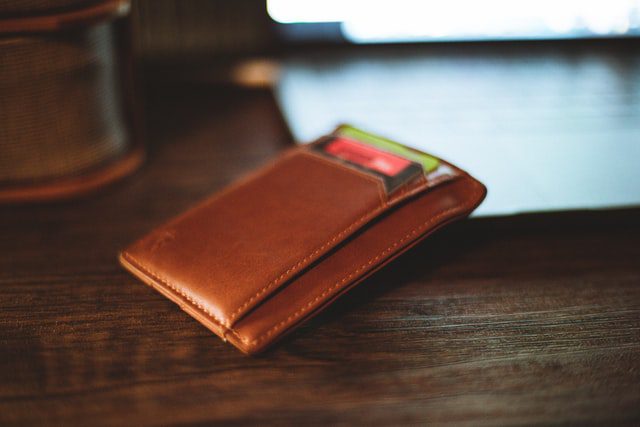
[(367, 156)]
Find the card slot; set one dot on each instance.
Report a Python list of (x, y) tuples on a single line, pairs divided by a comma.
[(443, 172)]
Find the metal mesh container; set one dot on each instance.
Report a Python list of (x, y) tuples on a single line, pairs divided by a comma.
[(68, 123)]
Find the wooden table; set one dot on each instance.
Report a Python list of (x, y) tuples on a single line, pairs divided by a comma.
[(524, 320)]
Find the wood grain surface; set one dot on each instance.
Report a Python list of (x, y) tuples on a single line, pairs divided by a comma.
[(528, 320)]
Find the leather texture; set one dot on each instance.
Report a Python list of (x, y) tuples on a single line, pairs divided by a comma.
[(256, 260)]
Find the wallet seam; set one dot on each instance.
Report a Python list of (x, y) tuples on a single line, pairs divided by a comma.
[(155, 276), (345, 279), (368, 215)]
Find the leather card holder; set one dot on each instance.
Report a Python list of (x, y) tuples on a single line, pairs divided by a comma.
[(254, 261)]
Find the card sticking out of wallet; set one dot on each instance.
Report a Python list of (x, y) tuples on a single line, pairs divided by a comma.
[(394, 170), (429, 163)]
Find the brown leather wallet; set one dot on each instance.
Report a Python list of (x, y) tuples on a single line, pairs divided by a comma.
[(254, 261)]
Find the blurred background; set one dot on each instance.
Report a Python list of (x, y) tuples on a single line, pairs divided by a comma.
[(539, 99), (170, 28)]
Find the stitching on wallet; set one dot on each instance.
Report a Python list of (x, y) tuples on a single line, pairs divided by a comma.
[(166, 283), (307, 306), (293, 268), (275, 281)]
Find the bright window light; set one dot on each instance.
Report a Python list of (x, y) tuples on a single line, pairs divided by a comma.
[(420, 20)]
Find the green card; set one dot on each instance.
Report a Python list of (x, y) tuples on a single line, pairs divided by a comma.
[(428, 163)]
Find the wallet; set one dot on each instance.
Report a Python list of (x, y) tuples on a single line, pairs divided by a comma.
[(254, 261)]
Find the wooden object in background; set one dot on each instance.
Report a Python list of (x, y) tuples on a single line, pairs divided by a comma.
[(67, 115)]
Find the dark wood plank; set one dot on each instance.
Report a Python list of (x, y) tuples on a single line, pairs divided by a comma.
[(525, 320)]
